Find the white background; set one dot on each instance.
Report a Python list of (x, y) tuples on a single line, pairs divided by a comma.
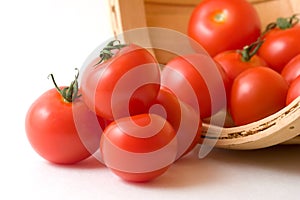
[(38, 37)]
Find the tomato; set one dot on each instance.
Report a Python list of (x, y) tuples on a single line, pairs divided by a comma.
[(235, 61), (280, 46), (125, 83), (61, 128), (220, 25), (198, 81), (183, 118), (257, 93), (292, 69), (139, 148), (293, 91)]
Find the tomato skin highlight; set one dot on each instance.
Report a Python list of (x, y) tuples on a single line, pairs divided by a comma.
[(257, 93), (293, 91), (62, 132), (139, 148), (220, 25), (292, 69), (280, 47), (126, 84)]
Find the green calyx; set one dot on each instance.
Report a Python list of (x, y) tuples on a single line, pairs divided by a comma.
[(250, 50), (282, 23), (107, 52), (70, 93), (286, 23)]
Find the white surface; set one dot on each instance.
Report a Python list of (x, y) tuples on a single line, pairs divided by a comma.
[(39, 37)]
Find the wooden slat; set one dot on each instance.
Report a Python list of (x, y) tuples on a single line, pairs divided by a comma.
[(175, 14), (175, 17), (191, 2), (269, 11), (281, 127), (260, 1), (174, 2), (295, 6), (295, 140), (126, 16)]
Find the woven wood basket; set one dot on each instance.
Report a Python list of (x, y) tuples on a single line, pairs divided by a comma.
[(282, 127)]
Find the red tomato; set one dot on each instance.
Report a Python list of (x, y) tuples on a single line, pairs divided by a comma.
[(198, 81), (61, 131), (257, 93), (291, 70), (293, 91), (220, 25), (139, 148), (280, 47), (183, 118), (235, 61), (125, 84)]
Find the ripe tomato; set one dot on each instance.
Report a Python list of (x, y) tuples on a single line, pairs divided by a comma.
[(183, 118), (220, 25), (293, 91), (235, 61), (198, 81), (125, 83), (280, 47), (257, 93), (139, 148), (292, 69), (63, 131)]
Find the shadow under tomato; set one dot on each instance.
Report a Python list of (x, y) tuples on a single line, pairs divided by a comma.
[(189, 171), (87, 164)]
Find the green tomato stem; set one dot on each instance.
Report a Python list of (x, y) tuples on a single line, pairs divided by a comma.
[(282, 23), (70, 93), (106, 53), (250, 50)]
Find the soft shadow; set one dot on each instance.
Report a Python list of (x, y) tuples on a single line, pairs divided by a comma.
[(280, 158), (188, 171), (191, 171), (87, 164)]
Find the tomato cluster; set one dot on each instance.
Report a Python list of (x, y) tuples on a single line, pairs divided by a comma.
[(263, 73), (256, 95), (156, 114), (262, 66), (141, 118)]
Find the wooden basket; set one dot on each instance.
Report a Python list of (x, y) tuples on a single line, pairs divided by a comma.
[(282, 127)]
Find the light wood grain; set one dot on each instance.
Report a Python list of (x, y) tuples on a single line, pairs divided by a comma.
[(277, 128), (175, 14)]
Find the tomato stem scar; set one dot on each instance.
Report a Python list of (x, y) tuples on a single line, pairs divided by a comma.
[(220, 16)]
